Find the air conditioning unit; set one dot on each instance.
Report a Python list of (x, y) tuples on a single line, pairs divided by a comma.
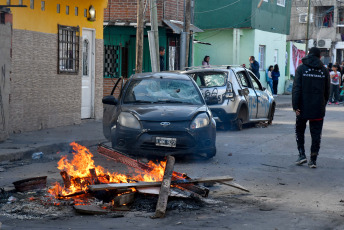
[(324, 43), (303, 18), (311, 43)]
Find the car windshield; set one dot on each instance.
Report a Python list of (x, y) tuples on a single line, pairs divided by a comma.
[(161, 90), (206, 80)]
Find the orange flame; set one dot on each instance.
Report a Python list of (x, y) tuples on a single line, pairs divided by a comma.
[(79, 171)]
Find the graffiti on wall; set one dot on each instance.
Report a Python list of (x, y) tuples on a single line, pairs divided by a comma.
[(2, 87)]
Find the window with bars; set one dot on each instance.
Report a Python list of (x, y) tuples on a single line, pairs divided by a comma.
[(111, 61), (68, 49), (281, 3), (261, 58)]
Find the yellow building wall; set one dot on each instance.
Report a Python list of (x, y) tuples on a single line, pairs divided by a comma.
[(25, 18)]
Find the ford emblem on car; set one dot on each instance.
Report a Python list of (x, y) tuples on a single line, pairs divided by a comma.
[(165, 124)]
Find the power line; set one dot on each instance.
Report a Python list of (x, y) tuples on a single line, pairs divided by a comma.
[(220, 8)]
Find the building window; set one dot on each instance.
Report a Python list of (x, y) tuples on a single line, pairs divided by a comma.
[(85, 13), (68, 49), (261, 58), (281, 3), (58, 8), (32, 4), (324, 16), (43, 5), (20, 2), (8, 2), (76, 11), (111, 61), (67, 10), (275, 56), (85, 57)]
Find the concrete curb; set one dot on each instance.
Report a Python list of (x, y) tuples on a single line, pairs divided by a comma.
[(284, 105), (53, 148)]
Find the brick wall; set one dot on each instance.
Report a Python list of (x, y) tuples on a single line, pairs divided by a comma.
[(125, 10), (98, 105), (40, 98), (5, 67), (109, 84)]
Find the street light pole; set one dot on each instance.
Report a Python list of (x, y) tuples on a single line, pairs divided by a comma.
[(307, 30)]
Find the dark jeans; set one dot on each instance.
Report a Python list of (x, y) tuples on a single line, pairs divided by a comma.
[(315, 127), (334, 93), (275, 83)]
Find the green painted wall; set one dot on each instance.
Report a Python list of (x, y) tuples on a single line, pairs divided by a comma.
[(223, 14), (243, 14), (125, 36), (221, 49), (272, 42)]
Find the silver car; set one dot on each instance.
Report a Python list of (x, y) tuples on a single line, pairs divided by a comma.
[(234, 95)]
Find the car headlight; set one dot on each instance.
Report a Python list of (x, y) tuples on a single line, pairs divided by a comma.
[(200, 121), (128, 120)]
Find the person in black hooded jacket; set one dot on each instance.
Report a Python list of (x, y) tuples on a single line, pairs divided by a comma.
[(311, 90)]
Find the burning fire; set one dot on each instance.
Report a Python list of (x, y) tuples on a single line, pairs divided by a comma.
[(78, 169)]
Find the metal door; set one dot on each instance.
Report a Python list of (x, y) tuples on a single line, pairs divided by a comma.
[(88, 63), (251, 97), (262, 98)]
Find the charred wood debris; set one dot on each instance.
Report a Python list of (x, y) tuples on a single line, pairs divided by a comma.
[(30, 198)]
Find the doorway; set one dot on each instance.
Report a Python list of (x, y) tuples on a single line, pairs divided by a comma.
[(88, 73)]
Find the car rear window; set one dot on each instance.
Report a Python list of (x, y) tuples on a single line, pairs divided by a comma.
[(207, 80), (162, 90)]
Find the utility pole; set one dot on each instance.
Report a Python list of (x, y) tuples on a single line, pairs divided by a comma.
[(187, 30), (139, 37), (153, 37), (307, 30)]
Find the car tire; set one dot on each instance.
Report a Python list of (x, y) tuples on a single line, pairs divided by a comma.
[(238, 124), (271, 115), (211, 154)]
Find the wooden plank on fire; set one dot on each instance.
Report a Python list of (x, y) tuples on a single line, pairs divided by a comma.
[(94, 176), (164, 189), (66, 179), (124, 159), (155, 184)]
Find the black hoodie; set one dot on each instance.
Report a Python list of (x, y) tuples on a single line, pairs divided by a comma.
[(311, 88)]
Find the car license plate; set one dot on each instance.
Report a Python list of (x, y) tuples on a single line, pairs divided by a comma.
[(166, 142)]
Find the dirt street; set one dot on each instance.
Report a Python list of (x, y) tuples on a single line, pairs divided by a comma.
[(283, 196)]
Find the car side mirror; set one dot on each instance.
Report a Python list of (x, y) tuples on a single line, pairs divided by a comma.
[(110, 100)]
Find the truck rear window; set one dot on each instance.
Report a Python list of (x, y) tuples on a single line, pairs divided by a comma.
[(207, 80)]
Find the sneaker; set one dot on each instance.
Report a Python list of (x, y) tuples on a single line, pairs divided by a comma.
[(330, 103), (301, 160), (337, 103), (312, 164)]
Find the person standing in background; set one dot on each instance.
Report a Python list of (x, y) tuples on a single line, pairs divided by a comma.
[(335, 83), (162, 59), (269, 78), (254, 66), (275, 74), (205, 61)]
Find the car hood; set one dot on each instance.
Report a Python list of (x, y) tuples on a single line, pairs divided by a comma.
[(161, 112)]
